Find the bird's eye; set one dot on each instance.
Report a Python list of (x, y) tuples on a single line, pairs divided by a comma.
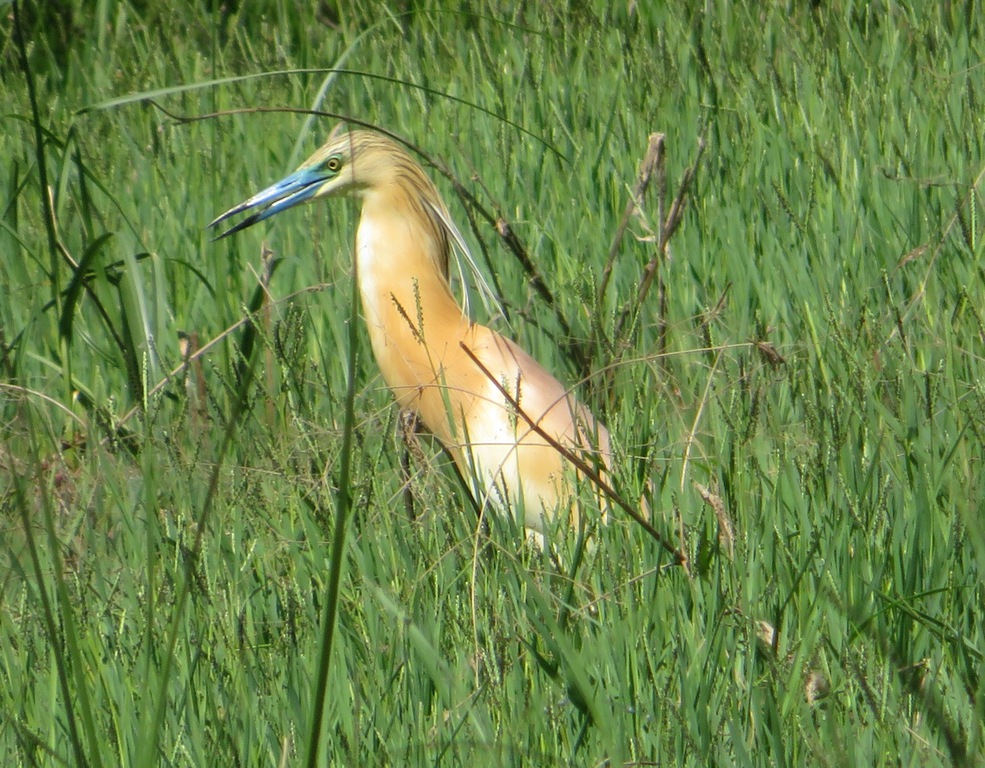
[(334, 164)]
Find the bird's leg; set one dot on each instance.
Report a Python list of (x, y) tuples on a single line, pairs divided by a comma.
[(409, 424)]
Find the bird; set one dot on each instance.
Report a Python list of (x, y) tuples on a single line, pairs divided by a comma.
[(519, 437)]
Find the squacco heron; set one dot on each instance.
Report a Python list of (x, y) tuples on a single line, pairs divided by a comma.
[(499, 414)]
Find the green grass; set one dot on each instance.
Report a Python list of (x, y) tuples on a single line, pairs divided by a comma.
[(810, 358)]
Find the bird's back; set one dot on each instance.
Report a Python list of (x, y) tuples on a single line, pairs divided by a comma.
[(503, 422)]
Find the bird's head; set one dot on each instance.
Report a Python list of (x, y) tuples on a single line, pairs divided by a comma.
[(350, 162)]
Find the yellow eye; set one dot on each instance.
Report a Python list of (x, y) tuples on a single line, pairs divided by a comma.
[(334, 164)]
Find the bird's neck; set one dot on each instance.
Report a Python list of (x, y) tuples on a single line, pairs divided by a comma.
[(401, 256)]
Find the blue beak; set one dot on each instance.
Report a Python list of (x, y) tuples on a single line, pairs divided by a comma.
[(297, 188)]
